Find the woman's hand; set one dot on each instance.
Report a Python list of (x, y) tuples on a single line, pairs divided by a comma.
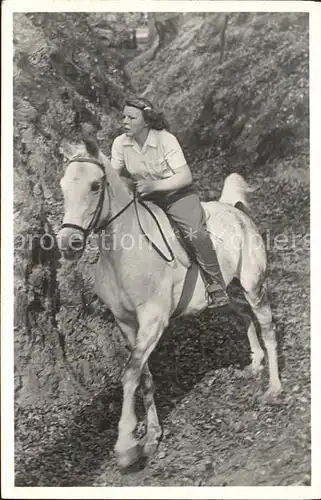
[(181, 178), (144, 187)]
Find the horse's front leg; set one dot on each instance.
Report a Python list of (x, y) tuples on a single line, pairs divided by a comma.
[(127, 447), (151, 326), (154, 430)]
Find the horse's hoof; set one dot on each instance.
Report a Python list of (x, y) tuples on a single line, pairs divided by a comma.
[(253, 370), (128, 457), (272, 396), (150, 448)]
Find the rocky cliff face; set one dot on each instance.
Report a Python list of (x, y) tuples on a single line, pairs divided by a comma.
[(253, 105), (247, 113), (68, 69)]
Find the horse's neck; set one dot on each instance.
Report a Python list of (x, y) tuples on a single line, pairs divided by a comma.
[(125, 224), (118, 192)]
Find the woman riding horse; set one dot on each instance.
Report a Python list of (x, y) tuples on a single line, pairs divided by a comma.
[(139, 287), (152, 157)]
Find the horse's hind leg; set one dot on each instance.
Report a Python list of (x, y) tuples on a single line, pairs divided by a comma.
[(259, 302), (154, 430), (257, 353), (247, 313)]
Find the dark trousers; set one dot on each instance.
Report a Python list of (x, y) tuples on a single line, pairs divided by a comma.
[(185, 209)]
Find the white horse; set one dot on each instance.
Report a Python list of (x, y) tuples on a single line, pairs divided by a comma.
[(142, 289)]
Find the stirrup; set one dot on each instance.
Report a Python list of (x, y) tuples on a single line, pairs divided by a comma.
[(216, 296)]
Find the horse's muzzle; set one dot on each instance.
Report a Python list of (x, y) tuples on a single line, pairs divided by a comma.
[(71, 244)]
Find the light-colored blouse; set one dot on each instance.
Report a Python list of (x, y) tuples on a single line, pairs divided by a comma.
[(159, 157)]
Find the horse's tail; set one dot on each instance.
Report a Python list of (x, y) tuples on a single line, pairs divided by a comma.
[(235, 191)]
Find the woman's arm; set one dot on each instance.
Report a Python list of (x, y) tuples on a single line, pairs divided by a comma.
[(181, 178)]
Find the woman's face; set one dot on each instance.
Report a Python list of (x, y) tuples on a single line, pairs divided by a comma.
[(134, 123)]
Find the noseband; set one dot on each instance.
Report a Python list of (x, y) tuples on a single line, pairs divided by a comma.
[(101, 200)]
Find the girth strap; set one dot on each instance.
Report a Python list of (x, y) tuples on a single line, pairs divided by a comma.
[(188, 289)]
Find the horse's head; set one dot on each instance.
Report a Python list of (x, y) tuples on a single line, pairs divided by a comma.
[(86, 197)]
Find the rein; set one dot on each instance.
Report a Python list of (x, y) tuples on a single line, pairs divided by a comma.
[(100, 205), (155, 247), (106, 224)]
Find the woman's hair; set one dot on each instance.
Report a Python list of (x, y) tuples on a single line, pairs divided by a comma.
[(155, 119)]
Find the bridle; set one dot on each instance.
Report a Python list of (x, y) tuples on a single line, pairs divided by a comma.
[(99, 208), (100, 204)]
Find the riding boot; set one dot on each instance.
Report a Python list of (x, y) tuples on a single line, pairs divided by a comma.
[(215, 288), (215, 285), (218, 294)]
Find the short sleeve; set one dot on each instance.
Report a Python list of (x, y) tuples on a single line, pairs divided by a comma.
[(117, 154), (172, 151)]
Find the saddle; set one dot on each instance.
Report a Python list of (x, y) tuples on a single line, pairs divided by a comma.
[(168, 241), (164, 235)]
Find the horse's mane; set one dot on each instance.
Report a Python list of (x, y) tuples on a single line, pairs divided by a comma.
[(90, 140)]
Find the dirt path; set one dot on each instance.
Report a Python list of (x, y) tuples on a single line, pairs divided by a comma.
[(215, 431)]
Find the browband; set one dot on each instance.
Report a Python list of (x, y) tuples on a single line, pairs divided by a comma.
[(81, 159)]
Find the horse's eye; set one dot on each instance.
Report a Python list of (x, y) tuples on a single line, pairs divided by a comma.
[(95, 186)]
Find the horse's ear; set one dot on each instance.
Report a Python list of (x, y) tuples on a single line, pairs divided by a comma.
[(89, 138), (67, 149)]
